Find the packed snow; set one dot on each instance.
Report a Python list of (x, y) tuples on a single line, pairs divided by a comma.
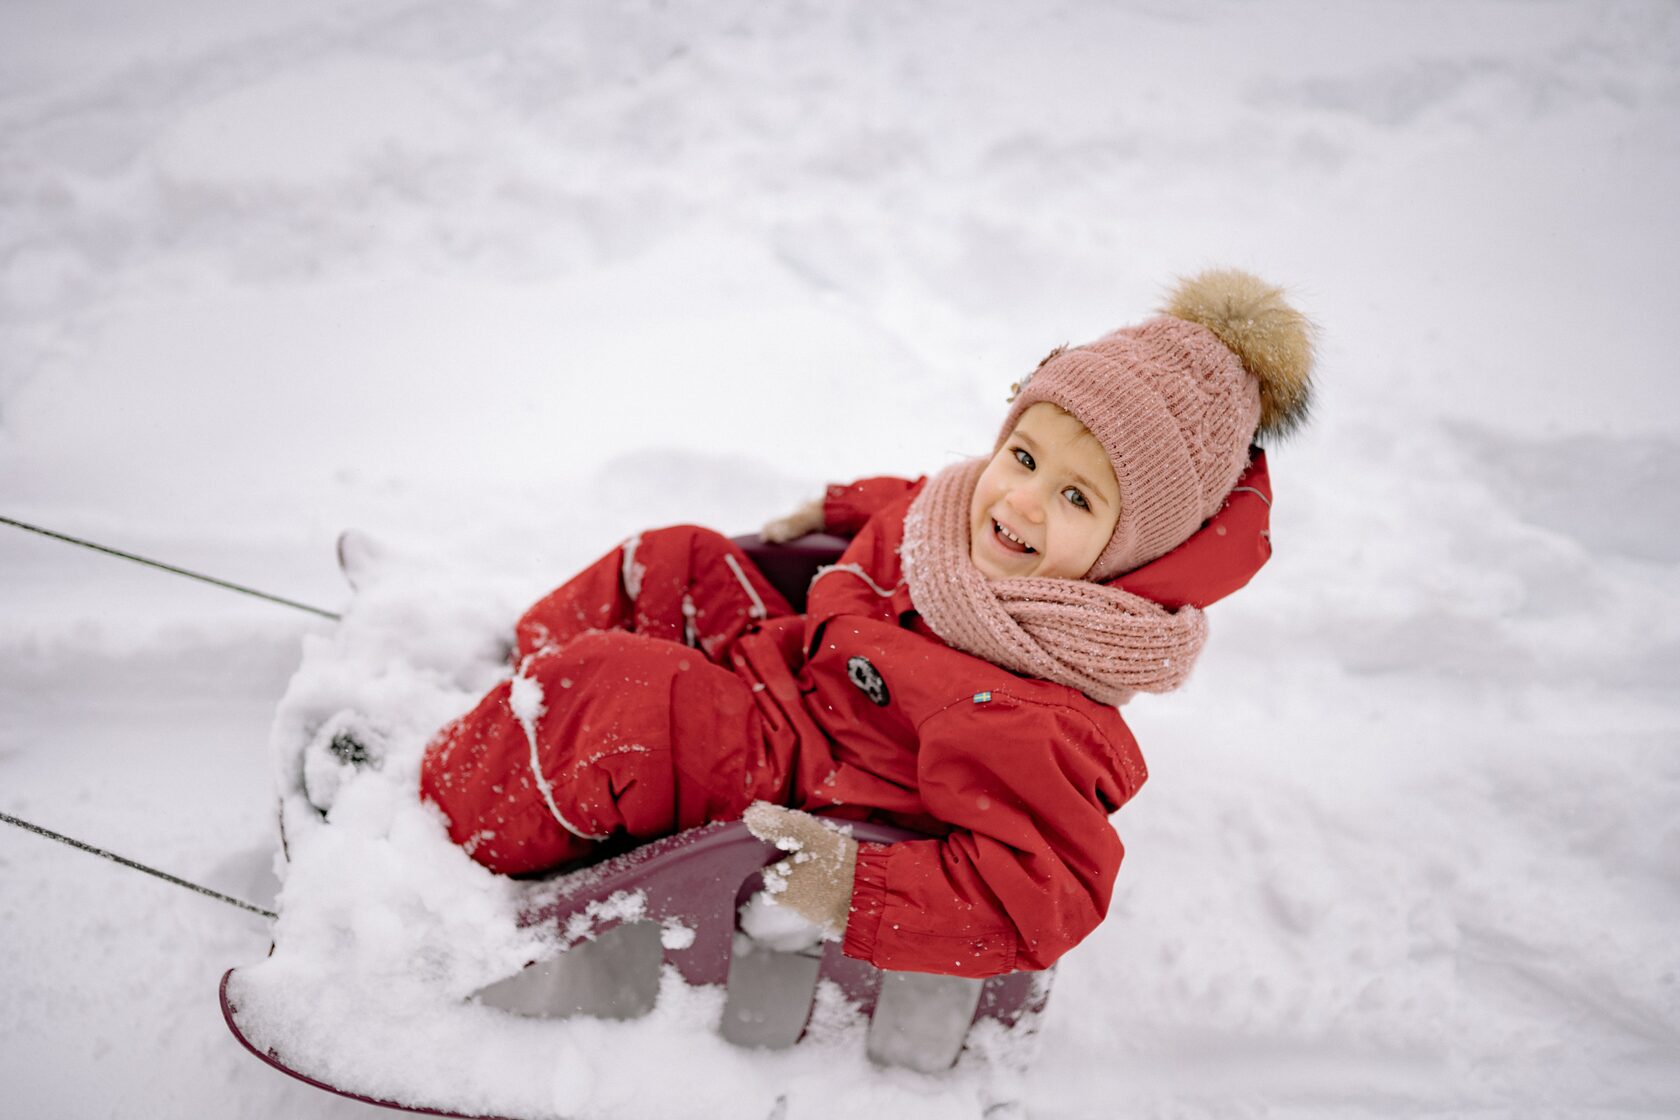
[(503, 284)]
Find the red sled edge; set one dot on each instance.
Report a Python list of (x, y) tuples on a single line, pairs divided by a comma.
[(229, 1012)]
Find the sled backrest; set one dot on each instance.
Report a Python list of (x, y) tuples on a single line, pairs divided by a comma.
[(791, 566)]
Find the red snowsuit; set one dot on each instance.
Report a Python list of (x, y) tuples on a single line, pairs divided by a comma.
[(677, 687)]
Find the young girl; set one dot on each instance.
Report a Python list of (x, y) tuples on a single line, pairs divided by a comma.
[(959, 671)]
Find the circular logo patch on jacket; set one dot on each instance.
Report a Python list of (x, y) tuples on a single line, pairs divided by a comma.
[(864, 675)]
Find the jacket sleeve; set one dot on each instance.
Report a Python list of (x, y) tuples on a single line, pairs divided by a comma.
[(1029, 867), (846, 506)]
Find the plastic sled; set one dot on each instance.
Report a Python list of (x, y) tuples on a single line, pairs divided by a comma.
[(675, 903)]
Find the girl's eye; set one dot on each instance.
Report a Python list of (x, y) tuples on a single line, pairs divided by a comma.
[(1073, 495), (1026, 460)]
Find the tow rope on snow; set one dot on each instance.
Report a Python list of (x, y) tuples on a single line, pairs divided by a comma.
[(112, 856), (171, 568)]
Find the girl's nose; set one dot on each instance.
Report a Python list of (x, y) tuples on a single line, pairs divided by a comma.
[(1026, 503)]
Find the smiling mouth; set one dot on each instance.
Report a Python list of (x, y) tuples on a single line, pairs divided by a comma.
[(1010, 540)]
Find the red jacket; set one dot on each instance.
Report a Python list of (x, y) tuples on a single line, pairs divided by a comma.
[(1017, 776)]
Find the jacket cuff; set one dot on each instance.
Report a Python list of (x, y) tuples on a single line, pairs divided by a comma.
[(869, 901), (840, 512), (847, 507)]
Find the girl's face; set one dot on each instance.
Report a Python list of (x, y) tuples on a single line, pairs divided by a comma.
[(1047, 502)]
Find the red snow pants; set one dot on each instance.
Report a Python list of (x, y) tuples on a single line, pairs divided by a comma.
[(622, 717)]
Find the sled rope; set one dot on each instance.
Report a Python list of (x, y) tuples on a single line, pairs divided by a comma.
[(171, 568), (112, 856)]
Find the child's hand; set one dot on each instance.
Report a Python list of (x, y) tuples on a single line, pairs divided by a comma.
[(816, 881), (808, 518)]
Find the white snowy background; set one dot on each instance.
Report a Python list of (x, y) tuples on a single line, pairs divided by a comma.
[(503, 282)]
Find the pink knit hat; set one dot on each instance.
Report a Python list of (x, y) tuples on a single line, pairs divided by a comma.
[(1176, 401)]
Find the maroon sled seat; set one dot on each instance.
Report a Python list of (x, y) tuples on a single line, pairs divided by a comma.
[(690, 887)]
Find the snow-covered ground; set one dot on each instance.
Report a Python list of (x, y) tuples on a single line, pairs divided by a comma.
[(503, 282)]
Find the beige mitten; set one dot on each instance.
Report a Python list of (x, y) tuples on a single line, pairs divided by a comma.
[(808, 518), (815, 882)]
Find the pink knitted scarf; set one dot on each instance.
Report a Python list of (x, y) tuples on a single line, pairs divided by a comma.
[(1105, 642)]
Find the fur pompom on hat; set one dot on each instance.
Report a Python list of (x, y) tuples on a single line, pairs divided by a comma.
[(1176, 402)]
